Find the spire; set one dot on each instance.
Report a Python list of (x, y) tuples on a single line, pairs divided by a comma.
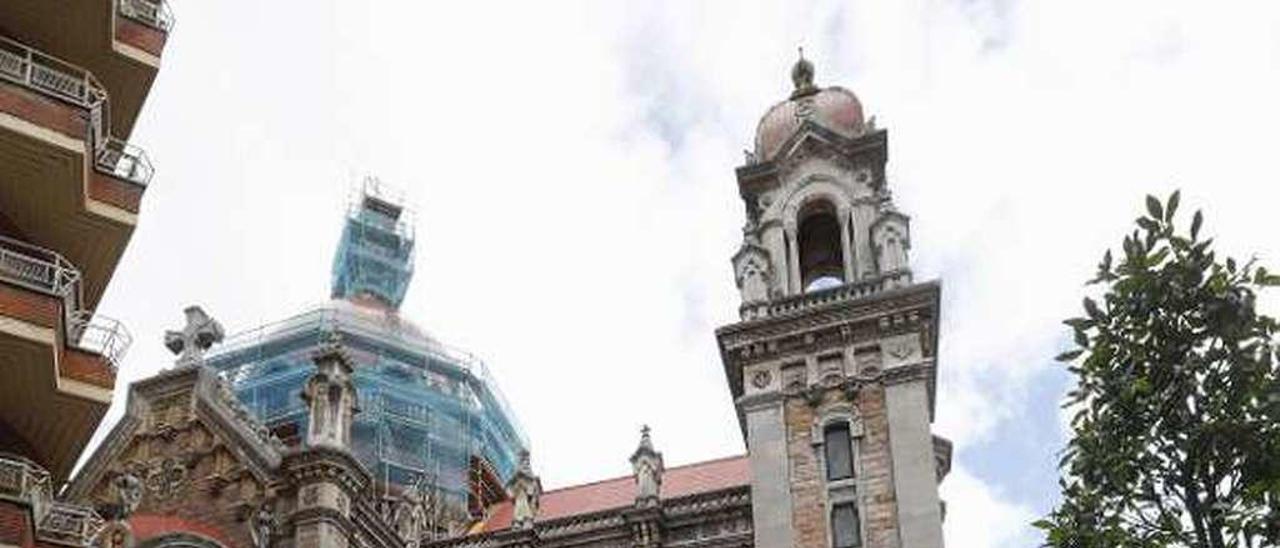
[(330, 394), (646, 463), (802, 77)]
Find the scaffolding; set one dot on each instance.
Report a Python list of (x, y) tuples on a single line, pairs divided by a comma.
[(428, 412)]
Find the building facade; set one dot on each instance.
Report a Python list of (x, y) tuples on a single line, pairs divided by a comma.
[(275, 442), (73, 78)]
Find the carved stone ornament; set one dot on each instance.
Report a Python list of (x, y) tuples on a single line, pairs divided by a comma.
[(761, 378), (646, 463), (262, 525), (200, 333), (126, 491), (162, 478)]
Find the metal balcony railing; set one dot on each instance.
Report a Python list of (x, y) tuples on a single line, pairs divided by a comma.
[(153, 13), (53, 77), (100, 335), (124, 161), (25, 482), (37, 268), (45, 271)]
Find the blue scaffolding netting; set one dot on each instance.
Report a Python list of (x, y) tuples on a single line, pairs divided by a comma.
[(427, 411)]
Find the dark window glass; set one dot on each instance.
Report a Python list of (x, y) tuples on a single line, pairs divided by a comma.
[(844, 526), (839, 452)]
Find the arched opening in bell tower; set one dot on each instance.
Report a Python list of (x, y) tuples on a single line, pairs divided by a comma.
[(821, 251)]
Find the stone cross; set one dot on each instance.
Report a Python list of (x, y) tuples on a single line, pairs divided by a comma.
[(200, 333)]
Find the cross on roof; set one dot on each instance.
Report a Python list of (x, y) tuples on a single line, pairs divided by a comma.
[(200, 333)]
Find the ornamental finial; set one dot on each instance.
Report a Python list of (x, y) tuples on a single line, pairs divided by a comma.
[(802, 77)]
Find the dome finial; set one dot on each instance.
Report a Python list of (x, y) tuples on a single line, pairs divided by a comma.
[(802, 77)]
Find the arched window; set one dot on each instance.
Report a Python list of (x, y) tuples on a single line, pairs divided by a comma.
[(821, 251)]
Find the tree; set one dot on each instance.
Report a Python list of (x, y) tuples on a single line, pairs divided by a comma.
[(1176, 411)]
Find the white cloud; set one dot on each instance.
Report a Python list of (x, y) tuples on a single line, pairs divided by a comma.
[(571, 164), (979, 517)]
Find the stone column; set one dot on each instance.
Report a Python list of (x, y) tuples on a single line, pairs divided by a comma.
[(915, 476), (770, 477), (846, 246)]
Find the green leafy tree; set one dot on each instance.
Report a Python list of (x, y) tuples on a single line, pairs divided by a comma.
[(1176, 411)]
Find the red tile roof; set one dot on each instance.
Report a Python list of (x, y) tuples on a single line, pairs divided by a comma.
[(700, 477)]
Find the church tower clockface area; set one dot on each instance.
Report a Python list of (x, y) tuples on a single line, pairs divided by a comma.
[(833, 364)]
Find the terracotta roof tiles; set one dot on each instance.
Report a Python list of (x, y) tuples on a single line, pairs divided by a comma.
[(679, 481)]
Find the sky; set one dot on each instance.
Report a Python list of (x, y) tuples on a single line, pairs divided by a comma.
[(571, 169)]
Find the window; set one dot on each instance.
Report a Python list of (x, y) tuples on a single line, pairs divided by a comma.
[(821, 248), (839, 451), (844, 526)]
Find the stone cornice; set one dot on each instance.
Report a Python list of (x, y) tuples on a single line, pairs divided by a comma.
[(614, 524), (314, 464)]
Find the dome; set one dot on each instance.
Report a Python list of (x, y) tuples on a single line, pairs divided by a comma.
[(833, 108)]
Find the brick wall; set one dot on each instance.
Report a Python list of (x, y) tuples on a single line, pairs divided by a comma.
[(42, 111), (15, 525), (140, 36), (808, 482)]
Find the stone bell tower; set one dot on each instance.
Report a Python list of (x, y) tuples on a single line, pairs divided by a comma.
[(833, 364)]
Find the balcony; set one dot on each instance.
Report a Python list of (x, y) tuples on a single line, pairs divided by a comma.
[(154, 14), (60, 359), (54, 78), (27, 487), (65, 182), (120, 41)]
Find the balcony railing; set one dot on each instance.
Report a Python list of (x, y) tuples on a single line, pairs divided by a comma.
[(100, 335), (50, 76), (153, 13), (45, 271), (124, 161), (37, 268), (846, 292), (24, 482)]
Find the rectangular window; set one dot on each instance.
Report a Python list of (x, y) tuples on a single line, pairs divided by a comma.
[(839, 452), (844, 526)]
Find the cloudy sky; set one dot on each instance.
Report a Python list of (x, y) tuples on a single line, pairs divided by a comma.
[(571, 164)]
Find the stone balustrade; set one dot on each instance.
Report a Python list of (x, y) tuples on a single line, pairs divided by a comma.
[(806, 301)]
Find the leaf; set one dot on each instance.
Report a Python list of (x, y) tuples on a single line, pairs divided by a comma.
[(1153, 208), (1196, 221), (1069, 355), (1092, 308), (1172, 208)]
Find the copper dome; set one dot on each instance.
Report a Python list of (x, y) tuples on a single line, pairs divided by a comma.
[(833, 108)]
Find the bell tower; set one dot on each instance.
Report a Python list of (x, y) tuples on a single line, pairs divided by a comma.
[(833, 364)]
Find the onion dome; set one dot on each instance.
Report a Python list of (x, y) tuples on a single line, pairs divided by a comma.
[(833, 108)]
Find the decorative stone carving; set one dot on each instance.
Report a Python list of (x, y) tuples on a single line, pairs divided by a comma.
[(226, 395), (647, 466), (200, 333), (409, 517), (127, 494), (891, 237), (752, 272), (262, 525), (331, 397), (526, 490), (162, 478)]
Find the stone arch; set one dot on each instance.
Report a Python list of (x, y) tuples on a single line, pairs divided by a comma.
[(180, 540), (816, 217)]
